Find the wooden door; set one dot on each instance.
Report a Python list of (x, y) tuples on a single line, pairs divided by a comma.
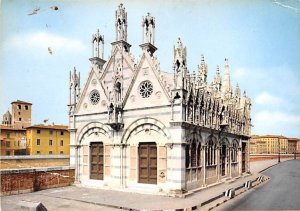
[(148, 163), (97, 160)]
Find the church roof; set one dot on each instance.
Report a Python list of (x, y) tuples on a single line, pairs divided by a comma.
[(21, 102)]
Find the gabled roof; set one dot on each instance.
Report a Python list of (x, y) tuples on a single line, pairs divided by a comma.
[(20, 102)]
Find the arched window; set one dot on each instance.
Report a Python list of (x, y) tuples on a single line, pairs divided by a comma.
[(234, 152), (199, 155), (187, 156), (210, 153), (193, 154), (118, 91)]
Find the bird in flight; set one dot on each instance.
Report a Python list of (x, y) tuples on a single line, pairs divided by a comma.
[(34, 11)]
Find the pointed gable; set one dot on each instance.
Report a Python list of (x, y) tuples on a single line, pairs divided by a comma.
[(93, 99), (120, 67), (146, 90)]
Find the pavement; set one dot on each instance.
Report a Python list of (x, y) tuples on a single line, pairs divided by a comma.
[(80, 198), (281, 192)]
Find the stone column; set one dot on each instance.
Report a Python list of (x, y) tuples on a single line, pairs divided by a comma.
[(240, 160), (218, 163), (230, 165), (203, 150)]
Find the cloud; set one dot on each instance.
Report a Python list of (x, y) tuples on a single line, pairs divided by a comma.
[(265, 98), (287, 6), (240, 72), (276, 122), (44, 40)]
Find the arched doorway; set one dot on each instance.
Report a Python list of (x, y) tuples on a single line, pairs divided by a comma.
[(147, 163), (223, 159)]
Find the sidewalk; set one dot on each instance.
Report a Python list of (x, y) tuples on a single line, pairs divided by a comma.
[(79, 198)]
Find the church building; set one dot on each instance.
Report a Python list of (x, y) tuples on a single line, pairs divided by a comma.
[(135, 127)]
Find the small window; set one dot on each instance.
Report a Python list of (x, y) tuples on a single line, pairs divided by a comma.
[(61, 152), (50, 152), (50, 143), (7, 152), (26, 107), (61, 142), (7, 144), (38, 142), (61, 133), (50, 132), (8, 135), (19, 113), (20, 119), (38, 131), (38, 152), (19, 107)]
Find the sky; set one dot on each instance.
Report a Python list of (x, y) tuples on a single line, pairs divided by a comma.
[(261, 40)]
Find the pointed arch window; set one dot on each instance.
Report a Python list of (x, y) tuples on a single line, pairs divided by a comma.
[(234, 152), (199, 155), (210, 154), (193, 154), (187, 156)]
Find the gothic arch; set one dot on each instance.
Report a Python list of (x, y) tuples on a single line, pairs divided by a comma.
[(225, 141), (147, 124), (93, 127), (212, 138)]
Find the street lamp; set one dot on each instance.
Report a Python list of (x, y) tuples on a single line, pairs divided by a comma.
[(278, 150)]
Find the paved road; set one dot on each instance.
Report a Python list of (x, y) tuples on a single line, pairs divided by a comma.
[(281, 192)]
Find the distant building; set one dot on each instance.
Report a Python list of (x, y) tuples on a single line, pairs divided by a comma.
[(18, 137), (48, 140), (13, 132), (21, 114), (292, 145), (13, 141), (271, 144)]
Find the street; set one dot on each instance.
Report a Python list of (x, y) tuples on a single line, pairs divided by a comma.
[(281, 192)]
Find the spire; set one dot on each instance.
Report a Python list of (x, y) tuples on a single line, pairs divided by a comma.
[(148, 24), (98, 51), (98, 45), (237, 91), (202, 72), (179, 64), (226, 85), (74, 90), (121, 23), (217, 82)]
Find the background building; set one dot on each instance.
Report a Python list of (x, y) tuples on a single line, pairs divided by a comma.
[(12, 129), (272, 144), (21, 114), (48, 140), (17, 137), (13, 141)]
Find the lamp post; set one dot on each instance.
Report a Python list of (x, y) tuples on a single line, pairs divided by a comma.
[(278, 150)]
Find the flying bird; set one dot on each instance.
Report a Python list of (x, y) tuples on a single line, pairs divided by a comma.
[(34, 12), (50, 50), (54, 7)]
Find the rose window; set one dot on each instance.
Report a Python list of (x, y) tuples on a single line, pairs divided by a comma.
[(94, 97), (146, 89)]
